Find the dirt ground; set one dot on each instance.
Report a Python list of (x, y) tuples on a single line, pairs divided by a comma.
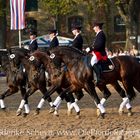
[(46, 126)]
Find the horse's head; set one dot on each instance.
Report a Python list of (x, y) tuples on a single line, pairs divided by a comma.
[(48, 63), (37, 70), (18, 55)]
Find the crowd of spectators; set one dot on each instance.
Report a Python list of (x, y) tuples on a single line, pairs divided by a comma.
[(133, 52)]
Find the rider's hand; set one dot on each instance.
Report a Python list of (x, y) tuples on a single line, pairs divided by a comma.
[(87, 49)]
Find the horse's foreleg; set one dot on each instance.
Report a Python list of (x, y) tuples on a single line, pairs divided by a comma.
[(2, 96), (68, 91), (42, 101), (44, 92), (73, 105), (79, 95), (67, 99), (23, 92), (106, 93), (24, 101), (7, 93)]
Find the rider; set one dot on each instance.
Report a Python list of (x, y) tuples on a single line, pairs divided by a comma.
[(98, 50), (53, 38), (33, 46), (78, 39), (54, 43)]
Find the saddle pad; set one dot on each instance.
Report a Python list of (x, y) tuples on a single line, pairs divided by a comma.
[(106, 66)]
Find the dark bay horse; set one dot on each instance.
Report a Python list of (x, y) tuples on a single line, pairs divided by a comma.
[(59, 87), (76, 82), (122, 71), (16, 80)]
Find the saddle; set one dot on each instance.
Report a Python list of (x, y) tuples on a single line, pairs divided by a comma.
[(105, 66)]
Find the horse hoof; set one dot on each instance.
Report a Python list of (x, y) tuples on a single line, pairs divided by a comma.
[(101, 116), (78, 115), (37, 111), (19, 111), (121, 112), (4, 109), (56, 113), (52, 109), (130, 113), (69, 112), (25, 114), (98, 112)]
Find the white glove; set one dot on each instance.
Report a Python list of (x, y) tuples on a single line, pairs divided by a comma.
[(26, 47), (87, 49)]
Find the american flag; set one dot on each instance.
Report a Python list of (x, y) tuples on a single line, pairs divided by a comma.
[(17, 8)]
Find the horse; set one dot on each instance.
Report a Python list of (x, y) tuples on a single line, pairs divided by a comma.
[(121, 72), (75, 83), (16, 80)]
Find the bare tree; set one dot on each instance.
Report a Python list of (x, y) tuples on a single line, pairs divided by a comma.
[(2, 23), (129, 11)]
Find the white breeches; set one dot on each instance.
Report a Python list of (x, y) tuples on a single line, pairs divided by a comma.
[(94, 59)]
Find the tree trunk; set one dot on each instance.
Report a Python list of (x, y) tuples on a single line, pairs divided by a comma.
[(129, 33), (3, 24)]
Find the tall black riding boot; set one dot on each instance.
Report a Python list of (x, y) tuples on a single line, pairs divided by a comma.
[(98, 74)]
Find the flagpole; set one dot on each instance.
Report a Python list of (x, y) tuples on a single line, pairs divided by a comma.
[(17, 9), (19, 32)]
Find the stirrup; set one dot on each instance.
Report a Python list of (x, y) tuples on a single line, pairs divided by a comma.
[(98, 82)]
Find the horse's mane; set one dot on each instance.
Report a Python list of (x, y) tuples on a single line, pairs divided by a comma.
[(20, 51), (39, 54), (72, 50)]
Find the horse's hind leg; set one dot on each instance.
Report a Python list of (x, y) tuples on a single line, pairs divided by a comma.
[(125, 99), (130, 93), (90, 88)]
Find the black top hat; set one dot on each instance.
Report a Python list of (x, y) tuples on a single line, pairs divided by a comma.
[(33, 33), (52, 31), (100, 24), (76, 27)]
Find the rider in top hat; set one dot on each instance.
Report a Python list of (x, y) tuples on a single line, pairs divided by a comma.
[(78, 40), (53, 38), (98, 49), (33, 43)]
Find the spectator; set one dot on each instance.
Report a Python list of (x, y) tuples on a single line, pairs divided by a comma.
[(134, 51)]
